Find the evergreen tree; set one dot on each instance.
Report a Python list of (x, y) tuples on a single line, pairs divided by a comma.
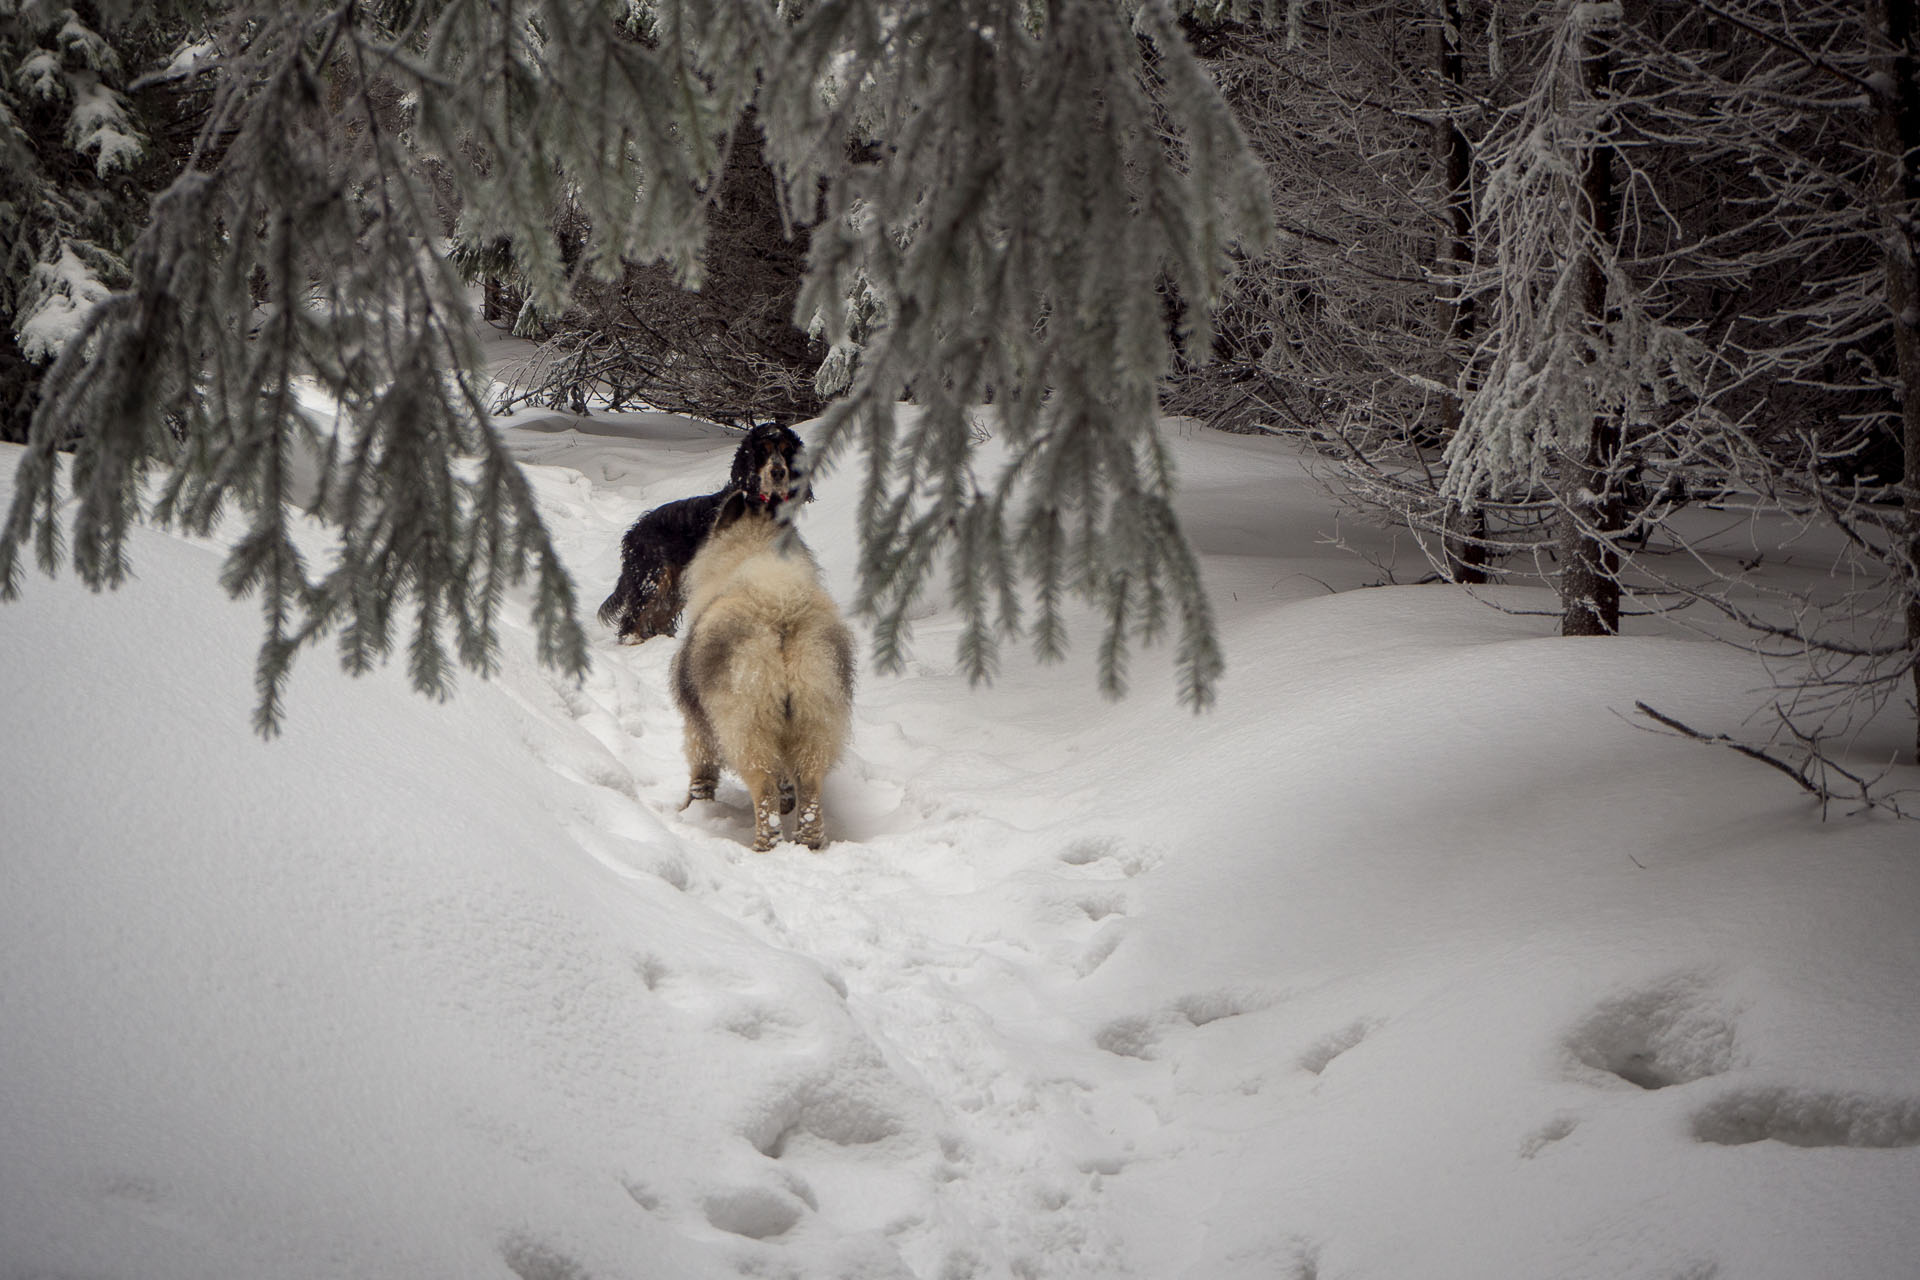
[(728, 351), (82, 150), (1020, 204)]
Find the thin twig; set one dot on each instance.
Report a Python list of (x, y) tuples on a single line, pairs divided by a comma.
[(1802, 776)]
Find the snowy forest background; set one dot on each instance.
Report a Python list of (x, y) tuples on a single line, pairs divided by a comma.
[(1538, 279)]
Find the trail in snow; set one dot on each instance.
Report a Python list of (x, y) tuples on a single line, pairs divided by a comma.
[(907, 913)]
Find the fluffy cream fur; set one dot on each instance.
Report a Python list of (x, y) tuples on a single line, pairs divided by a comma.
[(764, 677)]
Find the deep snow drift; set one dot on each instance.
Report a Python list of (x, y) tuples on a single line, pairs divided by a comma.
[(1412, 959)]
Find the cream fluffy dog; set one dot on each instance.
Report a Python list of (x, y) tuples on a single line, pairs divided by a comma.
[(764, 675)]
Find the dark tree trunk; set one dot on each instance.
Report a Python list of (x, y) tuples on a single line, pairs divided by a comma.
[(1465, 542), (19, 391), (1591, 505), (1897, 126)]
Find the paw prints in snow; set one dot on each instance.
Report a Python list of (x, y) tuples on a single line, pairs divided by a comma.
[(1803, 1117), (763, 1205), (1554, 1130), (1103, 863), (1139, 1036), (757, 1213), (829, 1111), (1318, 1058), (1667, 1034), (532, 1259), (1110, 854), (1674, 1033)]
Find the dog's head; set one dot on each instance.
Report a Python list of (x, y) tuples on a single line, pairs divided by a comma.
[(769, 466), (762, 525)]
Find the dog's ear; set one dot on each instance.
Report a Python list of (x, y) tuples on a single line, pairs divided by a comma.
[(788, 442), (730, 510), (746, 460)]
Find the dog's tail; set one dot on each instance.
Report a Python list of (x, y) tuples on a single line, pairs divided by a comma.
[(610, 611)]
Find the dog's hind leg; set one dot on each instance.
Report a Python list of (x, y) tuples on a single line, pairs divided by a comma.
[(656, 611), (696, 729), (703, 760), (701, 783), (765, 790), (810, 827)]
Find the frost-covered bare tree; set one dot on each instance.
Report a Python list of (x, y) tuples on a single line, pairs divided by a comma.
[(1895, 81), (1725, 313), (1671, 268), (1012, 220), (1464, 534), (1817, 389), (1354, 328), (1580, 350), (1334, 320)]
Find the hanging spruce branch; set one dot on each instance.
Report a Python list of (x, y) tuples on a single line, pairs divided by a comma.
[(1017, 226), (1009, 215), (295, 247)]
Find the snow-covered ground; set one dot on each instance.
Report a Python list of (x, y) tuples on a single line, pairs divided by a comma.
[(1413, 959)]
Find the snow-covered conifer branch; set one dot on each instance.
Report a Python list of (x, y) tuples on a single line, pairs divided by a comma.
[(1000, 194)]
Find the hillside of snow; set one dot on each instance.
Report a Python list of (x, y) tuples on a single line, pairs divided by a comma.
[(1415, 959)]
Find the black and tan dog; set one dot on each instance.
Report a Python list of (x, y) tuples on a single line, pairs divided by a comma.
[(764, 675), (768, 468)]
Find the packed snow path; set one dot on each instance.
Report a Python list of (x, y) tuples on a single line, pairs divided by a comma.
[(955, 940), (1414, 958)]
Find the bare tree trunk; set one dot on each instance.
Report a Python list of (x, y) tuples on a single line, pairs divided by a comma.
[(1465, 542), (1897, 126), (1590, 501)]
